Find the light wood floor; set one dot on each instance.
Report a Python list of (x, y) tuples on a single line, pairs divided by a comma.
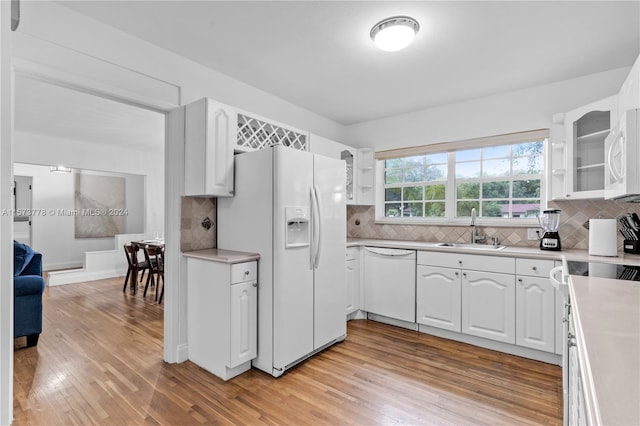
[(99, 361)]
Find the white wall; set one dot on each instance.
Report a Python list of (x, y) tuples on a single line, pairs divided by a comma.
[(53, 234), (41, 149), (522, 110)]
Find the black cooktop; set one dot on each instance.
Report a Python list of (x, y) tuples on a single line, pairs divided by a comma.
[(604, 270)]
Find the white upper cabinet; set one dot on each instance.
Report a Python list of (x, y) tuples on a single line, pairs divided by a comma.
[(629, 96), (359, 167), (210, 134), (254, 132), (577, 150)]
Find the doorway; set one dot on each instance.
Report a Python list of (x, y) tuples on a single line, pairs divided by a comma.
[(21, 204)]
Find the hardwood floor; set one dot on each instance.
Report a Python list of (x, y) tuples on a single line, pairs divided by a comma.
[(99, 361)]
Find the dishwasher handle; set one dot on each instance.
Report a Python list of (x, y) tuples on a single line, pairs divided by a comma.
[(390, 251)]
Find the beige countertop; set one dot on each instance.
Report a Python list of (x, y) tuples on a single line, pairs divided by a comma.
[(222, 255), (607, 326), (508, 251)]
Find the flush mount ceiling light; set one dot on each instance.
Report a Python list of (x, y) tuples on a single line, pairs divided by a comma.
[(395, 33), (60, 169)]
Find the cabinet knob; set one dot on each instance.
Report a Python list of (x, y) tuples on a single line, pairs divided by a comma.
[(534, 268), (255, 284), (520, 280), (246, 273), (460, 262), (464, 274), (457, 274)]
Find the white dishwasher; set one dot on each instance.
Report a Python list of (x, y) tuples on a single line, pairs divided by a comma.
[(390, 282)]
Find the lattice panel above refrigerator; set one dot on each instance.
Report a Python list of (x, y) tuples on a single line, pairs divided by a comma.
[(257, 134)]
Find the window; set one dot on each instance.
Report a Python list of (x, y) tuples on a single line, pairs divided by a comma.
[(415, 186), (501, 181)]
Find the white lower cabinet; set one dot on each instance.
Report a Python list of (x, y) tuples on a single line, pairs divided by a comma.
[(243, 322), (222, 319), (352, 280), (535, 305), (535, 308), (438, 297), (488, 308), (577, 411)]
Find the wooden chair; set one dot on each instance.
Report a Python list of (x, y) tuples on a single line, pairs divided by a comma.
[(135, 267), (154, 256)]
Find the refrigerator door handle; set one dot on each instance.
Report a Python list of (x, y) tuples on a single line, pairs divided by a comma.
[(317, 227), (312, 248)]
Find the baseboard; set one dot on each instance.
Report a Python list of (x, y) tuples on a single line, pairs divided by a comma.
[(182, 353), (77, 276), (61, 265), (392, 321), (548, 357)]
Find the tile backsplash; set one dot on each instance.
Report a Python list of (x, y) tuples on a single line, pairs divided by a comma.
[(572, 232), (198, 227)]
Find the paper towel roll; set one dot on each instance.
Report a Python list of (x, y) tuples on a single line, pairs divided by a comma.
[(603, 240)]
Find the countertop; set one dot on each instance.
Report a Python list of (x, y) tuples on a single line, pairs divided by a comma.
[(607, 326), (508, 251), (222, 255)]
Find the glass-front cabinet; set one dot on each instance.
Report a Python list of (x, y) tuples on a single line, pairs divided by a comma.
[(577, 150)]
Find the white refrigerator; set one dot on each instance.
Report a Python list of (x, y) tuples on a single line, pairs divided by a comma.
[(289, 206)]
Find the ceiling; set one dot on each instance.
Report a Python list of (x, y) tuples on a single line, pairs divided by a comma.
[(318, 55), (47, 109)]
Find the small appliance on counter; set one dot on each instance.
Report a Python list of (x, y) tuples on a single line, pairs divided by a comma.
[(630, 230), (602, 237), (549, 222)]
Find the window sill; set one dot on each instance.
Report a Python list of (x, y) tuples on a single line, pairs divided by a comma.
[(480, 222)]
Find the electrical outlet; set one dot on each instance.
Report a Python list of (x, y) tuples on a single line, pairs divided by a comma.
[(532, 234)]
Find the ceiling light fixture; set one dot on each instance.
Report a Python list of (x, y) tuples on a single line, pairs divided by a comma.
[(395, 33), (60, 169)]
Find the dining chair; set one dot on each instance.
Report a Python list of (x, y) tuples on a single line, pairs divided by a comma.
[(154, 256), (135, 267)]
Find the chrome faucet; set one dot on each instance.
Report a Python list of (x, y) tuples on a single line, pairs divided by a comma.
[(474, 236)]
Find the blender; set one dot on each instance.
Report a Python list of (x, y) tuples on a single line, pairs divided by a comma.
[(549, 221)]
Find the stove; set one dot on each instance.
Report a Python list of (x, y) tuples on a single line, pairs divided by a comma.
[(604, 270)]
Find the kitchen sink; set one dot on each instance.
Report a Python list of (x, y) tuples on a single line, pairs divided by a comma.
[(472, 246)]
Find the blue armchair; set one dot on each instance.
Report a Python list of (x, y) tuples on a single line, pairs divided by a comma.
[(28, 286)]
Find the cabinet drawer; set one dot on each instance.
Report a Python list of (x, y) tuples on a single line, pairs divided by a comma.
[(534, 267), (247, 271), (436, 258), (504, 265)]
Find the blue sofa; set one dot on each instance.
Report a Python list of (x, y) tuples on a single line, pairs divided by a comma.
[(28, 286)]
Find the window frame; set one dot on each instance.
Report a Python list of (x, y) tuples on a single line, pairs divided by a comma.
[(450, 189)]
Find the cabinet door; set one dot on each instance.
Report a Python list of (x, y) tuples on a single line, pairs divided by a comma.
[(629, 96), (535, 313), (210, 133), (329, 148), (488, 305), (586, 129), (244, 323), (438, 297), (353, 285)]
